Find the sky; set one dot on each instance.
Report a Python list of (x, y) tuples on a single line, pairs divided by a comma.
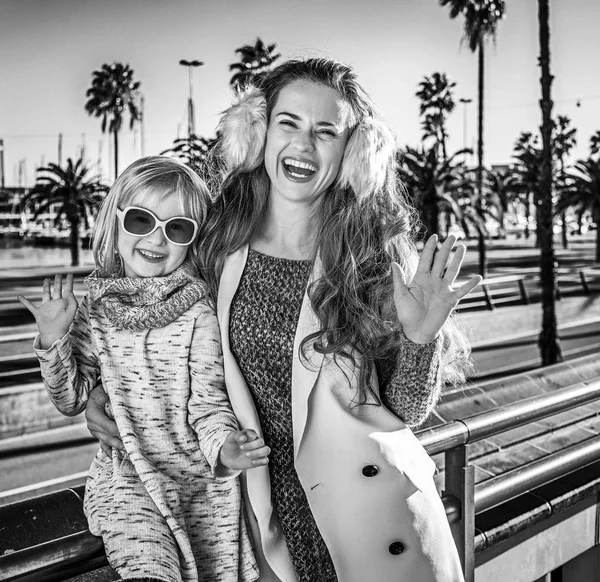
[(49, 49)]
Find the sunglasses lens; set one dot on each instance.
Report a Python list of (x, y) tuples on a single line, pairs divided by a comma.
[(180, 231), (137, 221)]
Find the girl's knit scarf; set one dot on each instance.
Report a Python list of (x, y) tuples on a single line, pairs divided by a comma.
[(138, 303)]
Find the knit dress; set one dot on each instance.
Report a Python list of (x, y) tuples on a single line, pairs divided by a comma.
[(159, 508)]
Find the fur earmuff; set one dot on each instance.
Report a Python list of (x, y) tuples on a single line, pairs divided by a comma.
[(244, 130), (366, 158)]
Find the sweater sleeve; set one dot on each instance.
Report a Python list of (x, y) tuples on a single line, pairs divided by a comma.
[(70, 366), (410, 382), (209, 410)]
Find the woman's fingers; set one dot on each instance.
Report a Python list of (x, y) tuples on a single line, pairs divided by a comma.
[(399, 279), (467, 287), (426, 259), (441, 257), (46, 296), (455, 264)]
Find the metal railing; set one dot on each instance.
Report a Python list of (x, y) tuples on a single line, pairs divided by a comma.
[(82, 552), (463, 500)]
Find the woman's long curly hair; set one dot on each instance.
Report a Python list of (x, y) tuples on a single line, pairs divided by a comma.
[(365, 224)]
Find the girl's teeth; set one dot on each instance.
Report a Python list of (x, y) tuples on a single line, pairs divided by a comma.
[(151, 255)]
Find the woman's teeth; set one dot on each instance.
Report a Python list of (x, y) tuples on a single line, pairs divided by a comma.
[(299, 169)]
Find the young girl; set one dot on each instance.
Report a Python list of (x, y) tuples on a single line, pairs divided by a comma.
[(146, 328)]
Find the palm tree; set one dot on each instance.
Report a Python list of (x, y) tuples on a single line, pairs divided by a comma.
[(481, 19), (255, 60), (549, 342), (582, 190), (501, 193), (69, 191), (113, 92), (192, 150), (524, 175), (429, 181), (564, 139), (595, 144), (437, 102)]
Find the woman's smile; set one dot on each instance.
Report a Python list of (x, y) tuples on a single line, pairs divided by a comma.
[(298, 170)]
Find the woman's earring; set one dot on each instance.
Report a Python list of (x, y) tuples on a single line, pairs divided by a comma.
[(367, 156), (243, 130)]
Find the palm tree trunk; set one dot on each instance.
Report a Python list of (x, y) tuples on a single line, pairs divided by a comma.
[(116, 142), (74, 240), (597, 221), (549, 342), (481, 240), (565, 240)]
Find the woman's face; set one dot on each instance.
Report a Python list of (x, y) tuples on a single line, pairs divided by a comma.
[(306, 138)]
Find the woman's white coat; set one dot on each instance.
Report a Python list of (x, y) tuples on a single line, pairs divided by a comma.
[(388, 527)]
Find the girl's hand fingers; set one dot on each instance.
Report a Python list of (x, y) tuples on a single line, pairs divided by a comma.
[(467, 287), (455, 264), (259, 462), (249, 434), (253, 445), (68, 290), (426, 259), (27, 304), (57, 294), (441, 257), (46, 291), (259, 453)]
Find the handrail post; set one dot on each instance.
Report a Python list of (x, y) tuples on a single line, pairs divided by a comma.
[(460, 483), (584, 283), (488, 296), (523, 289)]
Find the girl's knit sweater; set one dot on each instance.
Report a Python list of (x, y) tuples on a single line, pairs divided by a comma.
[(155, 343)]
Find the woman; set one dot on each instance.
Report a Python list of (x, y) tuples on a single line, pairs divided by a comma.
[(332, 341)]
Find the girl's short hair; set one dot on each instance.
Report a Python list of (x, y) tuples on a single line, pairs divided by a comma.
[(150, 177)]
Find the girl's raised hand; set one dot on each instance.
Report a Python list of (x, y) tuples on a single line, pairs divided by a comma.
[(243, 449), (56, 312), (424, 304)]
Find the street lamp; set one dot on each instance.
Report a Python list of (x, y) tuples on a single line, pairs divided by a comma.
[(465, 101), (190, 65)]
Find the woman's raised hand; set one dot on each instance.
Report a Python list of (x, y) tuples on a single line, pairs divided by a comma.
[(56, 312), (424, 304)]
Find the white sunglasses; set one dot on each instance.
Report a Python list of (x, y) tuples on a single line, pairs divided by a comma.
[(137, 221)]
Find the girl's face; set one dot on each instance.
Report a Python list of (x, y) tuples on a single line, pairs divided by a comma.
[(152, 255), (306, 138)]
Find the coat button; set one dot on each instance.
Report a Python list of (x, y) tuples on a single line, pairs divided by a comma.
[(370, 470), (396, 548)]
